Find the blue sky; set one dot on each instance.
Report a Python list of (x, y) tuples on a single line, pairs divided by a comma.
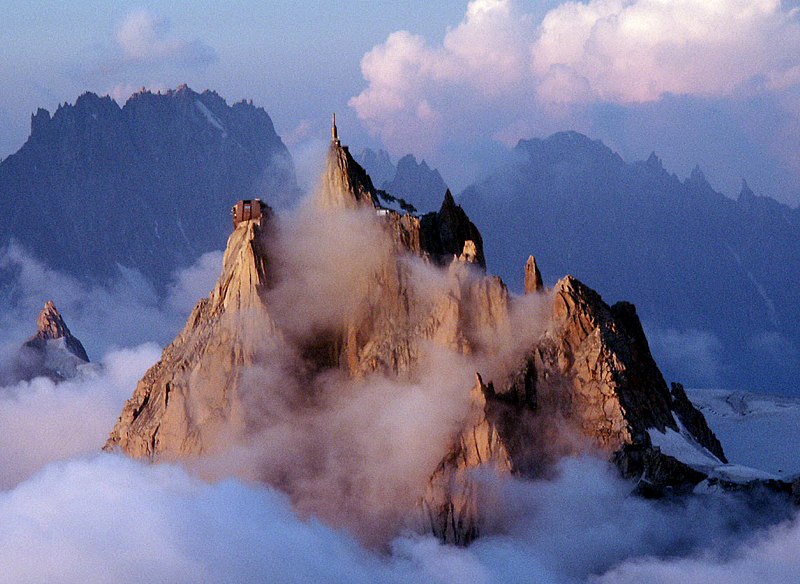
[(708, 82)]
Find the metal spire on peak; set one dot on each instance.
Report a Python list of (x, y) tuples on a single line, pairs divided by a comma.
[(334, 131)]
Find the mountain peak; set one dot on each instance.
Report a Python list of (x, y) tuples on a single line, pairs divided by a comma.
[(533, 277), (449, 202), (50, 325), (653, 161), (345, 183), (59, 353), (746, 193)]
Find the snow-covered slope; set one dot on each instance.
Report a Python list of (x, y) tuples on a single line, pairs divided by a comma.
[(757, 431)]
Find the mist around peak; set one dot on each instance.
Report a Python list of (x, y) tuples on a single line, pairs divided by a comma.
[(343, 456)]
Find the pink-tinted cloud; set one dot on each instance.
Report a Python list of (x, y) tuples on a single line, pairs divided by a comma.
[(504, 62)]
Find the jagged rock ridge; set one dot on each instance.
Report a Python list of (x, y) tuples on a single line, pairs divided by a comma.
[(146, 185), (587, 382), (633, 230), (415, 182)]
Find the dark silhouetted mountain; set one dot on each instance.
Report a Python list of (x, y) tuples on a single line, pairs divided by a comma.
[(147, 185), (412, 181), (715, 279)]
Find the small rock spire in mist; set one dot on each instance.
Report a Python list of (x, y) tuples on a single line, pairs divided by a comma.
[(50, 326), (533, 277)]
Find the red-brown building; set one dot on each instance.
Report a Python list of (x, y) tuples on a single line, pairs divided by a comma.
[(247, 209)]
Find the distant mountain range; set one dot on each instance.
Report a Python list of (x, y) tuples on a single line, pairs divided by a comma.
[(146, 186), (415, 182), (716, 280)]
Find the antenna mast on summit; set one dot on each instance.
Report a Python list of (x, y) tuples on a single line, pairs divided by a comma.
[(334, 131)]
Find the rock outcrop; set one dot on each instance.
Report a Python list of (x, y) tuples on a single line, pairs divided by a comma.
[(189, 400), (588, 384), (584, 381), (53, 351), (533, 277), (445, 232)]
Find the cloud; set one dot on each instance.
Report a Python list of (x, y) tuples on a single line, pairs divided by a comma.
[(195, 282), (696, 354), (44, 421), (144, 51), (146, 37), (106, 518), (773, 557), (124, 312), (639, 51), (511, 65)]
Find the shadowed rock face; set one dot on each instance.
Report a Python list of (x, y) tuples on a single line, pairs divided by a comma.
[(445, 232), (585, 382), (146, 185), (53, 351)]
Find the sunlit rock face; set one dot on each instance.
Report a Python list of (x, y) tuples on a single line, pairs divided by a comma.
[(188, 401), (559, 371), (587, 384)]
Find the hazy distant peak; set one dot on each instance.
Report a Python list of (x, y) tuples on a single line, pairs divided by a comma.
[(746, 193), (570, 146), (654, 162), (379, 165)]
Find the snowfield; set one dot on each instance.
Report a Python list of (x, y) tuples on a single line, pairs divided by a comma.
[(757, 431)]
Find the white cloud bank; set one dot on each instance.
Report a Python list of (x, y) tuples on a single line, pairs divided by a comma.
[(501, 57), (144, 36), (109, 519)]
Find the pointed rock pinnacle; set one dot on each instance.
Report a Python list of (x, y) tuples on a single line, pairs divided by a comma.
[(533, 277)]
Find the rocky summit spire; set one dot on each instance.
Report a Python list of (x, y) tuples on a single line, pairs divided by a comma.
[(53, 351), (445, 232), (191, 396), (533, 277), (345, 183), (51, 327)]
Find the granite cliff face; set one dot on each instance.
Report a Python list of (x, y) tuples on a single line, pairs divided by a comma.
[(188, 401), (146, 185), (559, 371)]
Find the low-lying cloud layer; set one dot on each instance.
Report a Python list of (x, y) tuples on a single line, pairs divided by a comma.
[(43, 421), (124, 312), (108, 519)]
